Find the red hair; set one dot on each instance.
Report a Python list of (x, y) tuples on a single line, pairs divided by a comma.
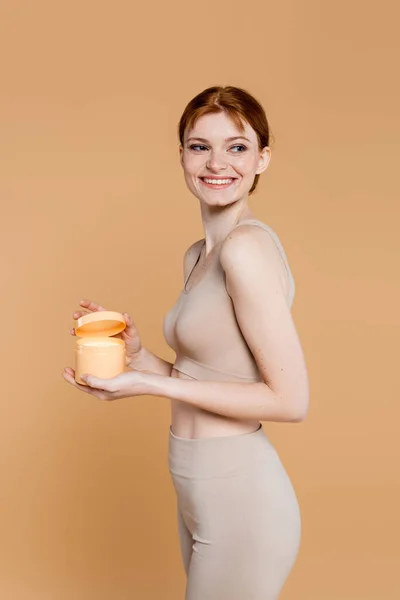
[(238, 104)]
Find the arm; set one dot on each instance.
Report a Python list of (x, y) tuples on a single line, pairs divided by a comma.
[(254, 283)]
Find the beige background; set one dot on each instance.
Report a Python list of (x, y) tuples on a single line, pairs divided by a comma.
[(93, 203)]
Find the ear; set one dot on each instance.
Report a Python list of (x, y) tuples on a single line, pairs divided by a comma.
[(181, 154), (263, 161)]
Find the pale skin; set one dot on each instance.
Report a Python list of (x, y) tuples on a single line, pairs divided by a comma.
[(255, 280)]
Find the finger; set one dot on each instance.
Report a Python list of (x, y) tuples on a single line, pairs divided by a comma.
[(69, 375), (90, 305), (107, 385), (128, 320), (80, 313), (130, 329), (77, 315)]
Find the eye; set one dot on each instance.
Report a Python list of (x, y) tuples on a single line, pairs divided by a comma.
[(242, 148), (197, 147)]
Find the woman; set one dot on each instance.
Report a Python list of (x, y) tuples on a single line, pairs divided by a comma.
[(238, 362)]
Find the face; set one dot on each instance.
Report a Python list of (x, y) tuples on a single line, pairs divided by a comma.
[(220, 161)]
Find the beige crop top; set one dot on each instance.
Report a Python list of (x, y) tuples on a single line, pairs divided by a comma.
[(202, 329)]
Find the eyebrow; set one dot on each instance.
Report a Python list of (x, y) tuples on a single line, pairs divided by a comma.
[(230, 139)]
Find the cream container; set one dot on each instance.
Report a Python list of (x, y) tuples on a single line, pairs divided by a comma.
[(96, 352)]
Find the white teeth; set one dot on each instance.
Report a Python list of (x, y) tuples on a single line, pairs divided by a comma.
[(218, 181)]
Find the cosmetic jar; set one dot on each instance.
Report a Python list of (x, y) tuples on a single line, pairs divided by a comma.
[(96, 352)]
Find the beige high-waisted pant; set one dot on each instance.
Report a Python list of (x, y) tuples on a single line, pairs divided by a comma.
[(238, 517)]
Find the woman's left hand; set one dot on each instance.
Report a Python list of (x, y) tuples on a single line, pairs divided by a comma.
[(126, 385)]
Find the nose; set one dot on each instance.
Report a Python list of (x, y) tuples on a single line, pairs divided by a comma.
[(216, 162)]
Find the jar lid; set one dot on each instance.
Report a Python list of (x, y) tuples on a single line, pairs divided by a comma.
[(102, 323)]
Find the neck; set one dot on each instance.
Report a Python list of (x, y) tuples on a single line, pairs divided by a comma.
[(219, 221)]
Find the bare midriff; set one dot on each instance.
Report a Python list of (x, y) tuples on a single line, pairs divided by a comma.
[(194, 423)]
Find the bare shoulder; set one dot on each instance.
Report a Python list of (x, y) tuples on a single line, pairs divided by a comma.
[(191, 256), (252, 247)]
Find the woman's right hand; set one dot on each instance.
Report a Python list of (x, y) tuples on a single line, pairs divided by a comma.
[(130, 334)]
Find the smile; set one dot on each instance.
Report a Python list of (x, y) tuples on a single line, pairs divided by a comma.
[(217, 182)]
